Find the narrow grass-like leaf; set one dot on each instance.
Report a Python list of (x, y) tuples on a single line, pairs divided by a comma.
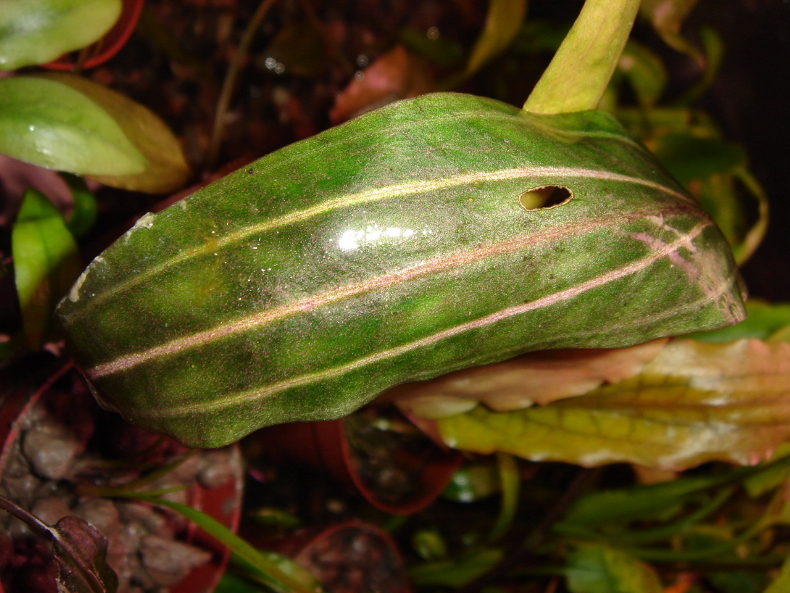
[(457, 572), (269, 568), (38, 31), (428, 236)]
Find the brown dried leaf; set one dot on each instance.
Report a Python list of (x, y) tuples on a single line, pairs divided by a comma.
[(81, 553)]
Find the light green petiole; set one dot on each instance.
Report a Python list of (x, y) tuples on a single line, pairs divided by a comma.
[(579, 73)]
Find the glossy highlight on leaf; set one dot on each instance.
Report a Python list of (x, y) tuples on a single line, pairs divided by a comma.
[(389, 249)]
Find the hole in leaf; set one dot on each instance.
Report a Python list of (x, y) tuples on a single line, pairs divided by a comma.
[(545, 197)]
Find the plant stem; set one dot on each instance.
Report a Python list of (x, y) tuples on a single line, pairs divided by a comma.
[(579, 73), (229, 84)]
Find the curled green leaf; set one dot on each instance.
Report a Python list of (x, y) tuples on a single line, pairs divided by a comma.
[(46, 262)]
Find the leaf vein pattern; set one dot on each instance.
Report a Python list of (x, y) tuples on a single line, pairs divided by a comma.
[(369, 196), (263, 392)]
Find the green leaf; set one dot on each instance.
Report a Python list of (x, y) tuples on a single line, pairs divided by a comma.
[(689, 156), (782, 582), (46, 263), (763, 321), (694, 403), (597, 568), (73, 124), (85, 208), (387, 250), (38, 31), (473, 482), (645, 72), (577, 77), (268, 566), (457, 572), (51, 124), (503, 23)]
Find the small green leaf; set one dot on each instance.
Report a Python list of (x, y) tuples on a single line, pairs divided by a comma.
[(645, 72), (503, 23), (473, 482), (694, 403), (38, 31), (73, 124), (764, 320), (85, 209), (597, 568), (48, 123), (46, 262), (689, 156), (457, 572)]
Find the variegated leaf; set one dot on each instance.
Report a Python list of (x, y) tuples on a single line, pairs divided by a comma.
[(428, 236)]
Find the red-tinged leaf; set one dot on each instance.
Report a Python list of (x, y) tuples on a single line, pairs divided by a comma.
[(533, 378), (81, 553), (694, 403), (398, 74)]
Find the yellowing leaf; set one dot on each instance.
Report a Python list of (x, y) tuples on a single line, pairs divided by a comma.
[(694, 403), (53, 125), (533, 378), (166, 169), (69, 123), (37, 31)]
